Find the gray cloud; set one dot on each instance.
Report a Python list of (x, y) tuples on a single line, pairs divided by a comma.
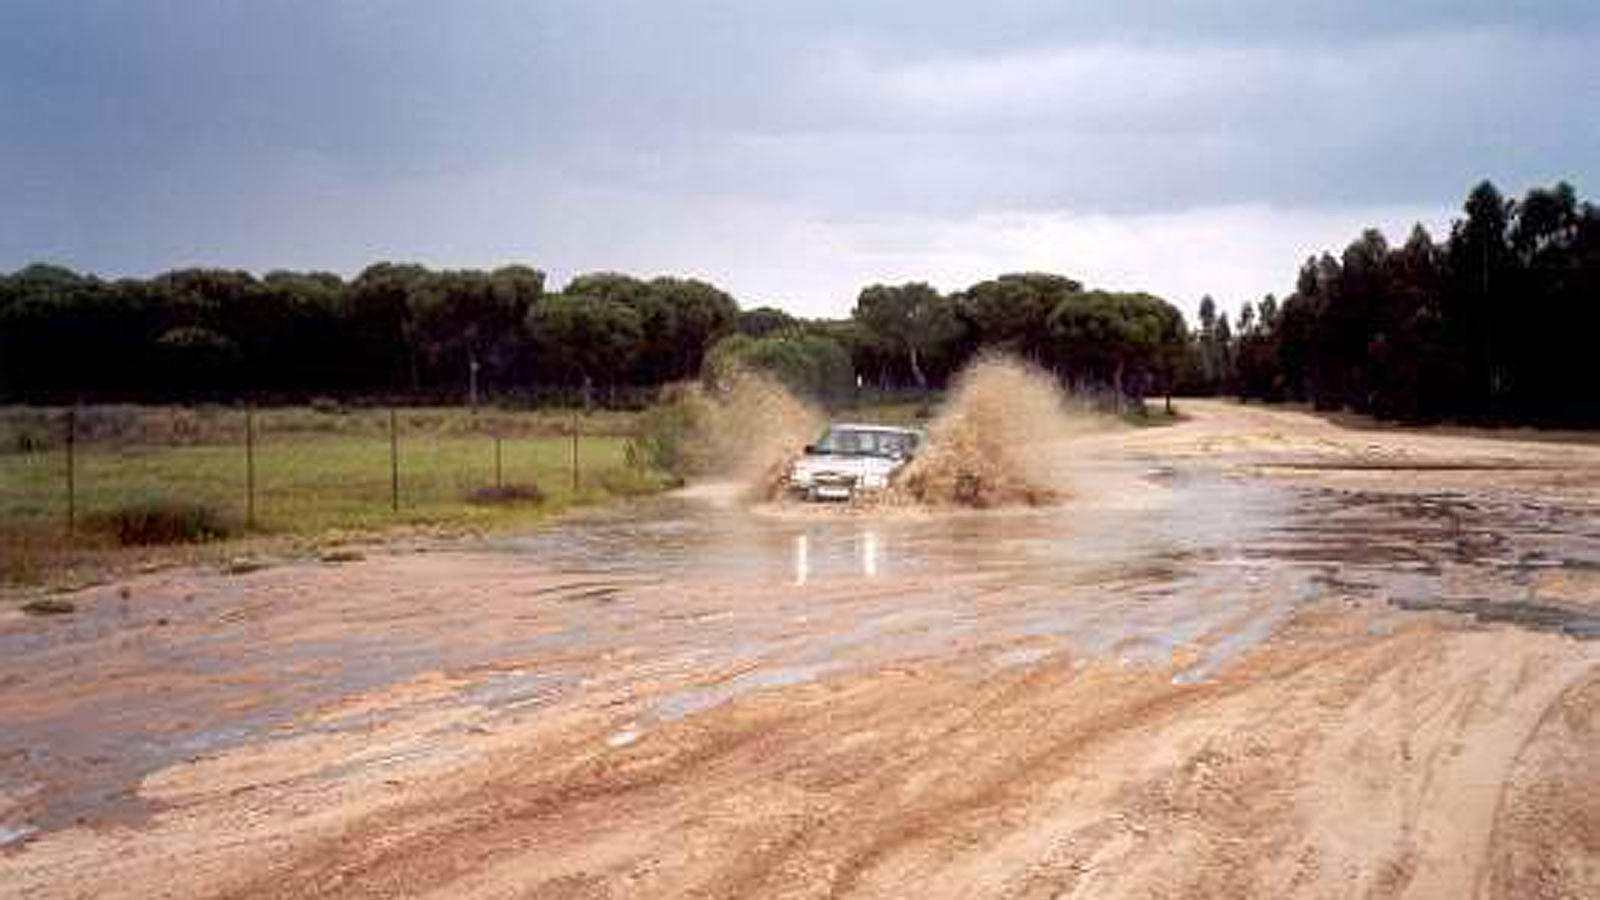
[(142, 135)]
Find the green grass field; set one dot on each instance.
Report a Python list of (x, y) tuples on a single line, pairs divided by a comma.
[(309, 484), (315, 474), (26, 428)]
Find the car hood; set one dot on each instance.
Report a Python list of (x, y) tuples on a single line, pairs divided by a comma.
[(813, 464)]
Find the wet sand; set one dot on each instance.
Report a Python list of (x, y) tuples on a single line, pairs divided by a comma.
[(1255, 654)]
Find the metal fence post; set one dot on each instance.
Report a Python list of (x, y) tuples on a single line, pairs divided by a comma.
[(249, 467), (394, 464), (574, 459), (72, 486)]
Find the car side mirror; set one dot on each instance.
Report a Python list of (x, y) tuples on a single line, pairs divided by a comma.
[(811, 448)]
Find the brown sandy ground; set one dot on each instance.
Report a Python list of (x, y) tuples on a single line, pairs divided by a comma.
[(1187, 711)]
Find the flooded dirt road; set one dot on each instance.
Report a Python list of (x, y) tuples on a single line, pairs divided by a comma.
[(1255, 654)]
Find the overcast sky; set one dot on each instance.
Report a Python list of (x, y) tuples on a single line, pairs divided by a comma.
[(790, 151)]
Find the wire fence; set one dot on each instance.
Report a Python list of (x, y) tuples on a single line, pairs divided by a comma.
[(299, 468)]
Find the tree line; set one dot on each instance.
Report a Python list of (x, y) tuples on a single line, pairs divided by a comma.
[(1489, 326), (394, 329), (405, 329), (912, 336)]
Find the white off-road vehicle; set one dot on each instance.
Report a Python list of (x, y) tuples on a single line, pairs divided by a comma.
[(850, 460)]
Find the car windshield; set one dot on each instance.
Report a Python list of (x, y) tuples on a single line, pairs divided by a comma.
[(865, 442)]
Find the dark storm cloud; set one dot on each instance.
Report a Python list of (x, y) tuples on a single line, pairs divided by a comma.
[(139, 135)]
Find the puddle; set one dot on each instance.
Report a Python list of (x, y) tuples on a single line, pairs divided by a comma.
[(1375, 465), (518, 690), (1539, 616), (9, 836), (1232, 645), (698, 700), (92, 750), (1025, 656)]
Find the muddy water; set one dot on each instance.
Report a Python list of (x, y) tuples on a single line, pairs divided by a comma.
[(692, 603), (1408, 546)]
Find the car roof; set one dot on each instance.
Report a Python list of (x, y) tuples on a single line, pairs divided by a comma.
[(861, 426)]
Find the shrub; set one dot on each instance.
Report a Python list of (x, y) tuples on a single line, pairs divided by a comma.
[(327, 406), (507, 495), (161, 522), (665, 435), (744, 425), (32, 440), (634, 482), (809, 365)]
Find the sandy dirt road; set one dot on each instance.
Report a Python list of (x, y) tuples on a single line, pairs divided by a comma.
[(1256, 654)]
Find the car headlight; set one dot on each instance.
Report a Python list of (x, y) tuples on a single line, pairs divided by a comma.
[(874, 481)]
